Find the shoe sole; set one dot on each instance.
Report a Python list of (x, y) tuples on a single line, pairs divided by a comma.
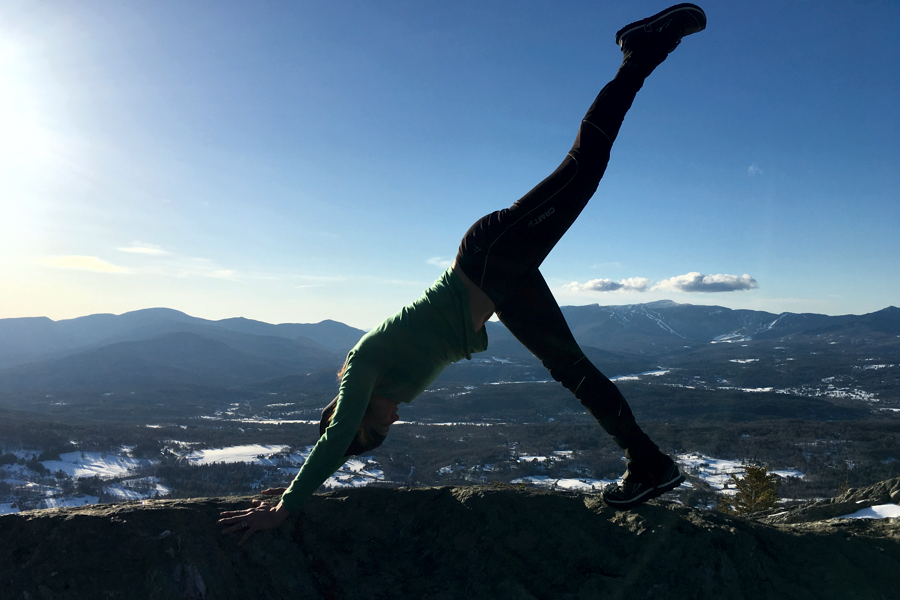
[(693, 10), (650, 494)]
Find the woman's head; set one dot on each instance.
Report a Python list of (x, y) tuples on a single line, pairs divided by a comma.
[(381, 413)]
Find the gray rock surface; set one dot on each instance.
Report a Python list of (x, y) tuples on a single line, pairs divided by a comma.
[(446, 543)]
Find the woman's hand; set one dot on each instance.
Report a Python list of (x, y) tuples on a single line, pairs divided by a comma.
[(259, 517)]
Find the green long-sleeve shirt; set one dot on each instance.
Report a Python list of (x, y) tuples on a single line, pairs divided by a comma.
[(397, 360)]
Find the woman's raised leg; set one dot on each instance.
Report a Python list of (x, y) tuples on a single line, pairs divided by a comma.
[(506, 246)]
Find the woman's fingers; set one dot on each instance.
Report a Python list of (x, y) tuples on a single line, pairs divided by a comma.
[(235, 525), (229, 514), (242, 521), (261, 516)]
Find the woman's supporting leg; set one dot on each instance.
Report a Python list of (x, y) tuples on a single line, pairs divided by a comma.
[(532, 315)]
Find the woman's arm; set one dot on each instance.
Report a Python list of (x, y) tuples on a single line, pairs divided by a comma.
[(327, 456)]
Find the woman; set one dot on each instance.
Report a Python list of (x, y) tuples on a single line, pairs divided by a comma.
[(496, 271)]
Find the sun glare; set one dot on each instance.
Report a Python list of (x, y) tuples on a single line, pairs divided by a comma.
[(22, 139)]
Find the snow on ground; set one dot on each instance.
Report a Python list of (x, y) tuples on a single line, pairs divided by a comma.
[(357, 472), (65, 502), (558, 455), (882, 511), (258, 421), (574, 485), (234, 454), (789, 473), (138, 489), (449, 423), (15, 474), (527, 459), (637, 376), (25, 454), (8, 508), (88, 464), (716, 471), (873, 367)]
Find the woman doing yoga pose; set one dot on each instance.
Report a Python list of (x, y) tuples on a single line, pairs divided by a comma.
[(497, 271)]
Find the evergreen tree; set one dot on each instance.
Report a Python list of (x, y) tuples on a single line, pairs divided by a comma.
[(757, 490)]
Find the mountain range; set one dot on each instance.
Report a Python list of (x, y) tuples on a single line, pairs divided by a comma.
[(164, 348)]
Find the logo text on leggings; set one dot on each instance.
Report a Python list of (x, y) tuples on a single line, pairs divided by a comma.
[(546, 214)]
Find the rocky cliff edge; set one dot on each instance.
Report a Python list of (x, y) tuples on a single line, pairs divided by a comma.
[(454, 542)]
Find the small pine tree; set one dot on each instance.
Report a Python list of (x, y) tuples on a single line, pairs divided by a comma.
[(757, 490)]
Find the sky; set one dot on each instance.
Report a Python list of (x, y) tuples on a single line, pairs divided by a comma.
[(300, 161)]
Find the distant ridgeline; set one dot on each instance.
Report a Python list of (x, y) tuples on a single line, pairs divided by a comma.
[(456, 542), (661, 343)]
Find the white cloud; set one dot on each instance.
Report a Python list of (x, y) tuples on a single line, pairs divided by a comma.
[(632, 284), (753, 170), (139, 248), (697, 282), (440, 262), (83, 263)]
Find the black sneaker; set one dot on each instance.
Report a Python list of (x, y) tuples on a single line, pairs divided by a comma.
[(632, 492), (664, 29)]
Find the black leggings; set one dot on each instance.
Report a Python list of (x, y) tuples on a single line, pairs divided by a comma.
[(503, 251)]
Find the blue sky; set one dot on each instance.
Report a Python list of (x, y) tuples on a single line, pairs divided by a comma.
[(299, 161)]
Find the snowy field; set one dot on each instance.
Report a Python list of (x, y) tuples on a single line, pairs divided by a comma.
[(67, 502), (356, 472), (637, 377), (81, 465), (137, 489), (78, 465), (571, 485), (8, 508), (252, 453), (716, 471)]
